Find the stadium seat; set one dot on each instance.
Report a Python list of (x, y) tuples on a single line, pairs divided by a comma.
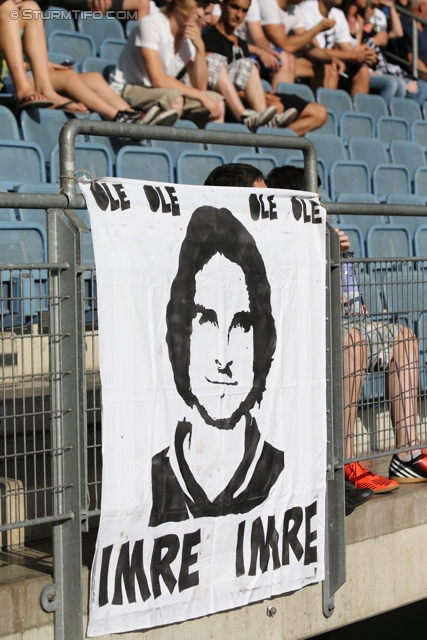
[(296, 89), (420, 242), (372, 104), (99, 28), (404, 294), (228, 150), (103, 66), (355, 124), (91, 157), (388, 179), (43, 126), (336, 100), (357, 197), (422, 339), (76, 46), (355, 236), (266, 85), (369, 150), (370, 290), (58, 18), (21, 162), (424, 109), (349, 175), (35, 215), (419, 133), (175, 147), (6, 214), (329, 147), (321, 172), (331, 124), (407, 153), (144, 163), (130, 26), (389, 129), (420, 183), (111, 48), (193, 167), (8, 125), (406, 109), (411, 222), (280, 154), (365, 221), (388, 241), (262, 161)]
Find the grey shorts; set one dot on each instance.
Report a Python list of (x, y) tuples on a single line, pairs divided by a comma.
[(378, 338)]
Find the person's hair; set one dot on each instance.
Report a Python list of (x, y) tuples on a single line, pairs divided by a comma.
[(184, 6), (211, 231), (234, 175), (288, 177)]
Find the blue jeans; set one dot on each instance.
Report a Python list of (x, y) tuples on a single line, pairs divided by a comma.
[(389, 86)]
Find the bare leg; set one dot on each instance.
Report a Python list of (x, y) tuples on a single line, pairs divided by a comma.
[(311, 117), (286, 72), (254, 91), (225, 87), (360, 83), (402, 383), (354, 366)]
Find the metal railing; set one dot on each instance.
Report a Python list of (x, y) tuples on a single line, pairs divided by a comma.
[(51, 453)]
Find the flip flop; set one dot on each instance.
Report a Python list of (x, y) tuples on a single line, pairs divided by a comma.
[(26, 103), (71, 112)]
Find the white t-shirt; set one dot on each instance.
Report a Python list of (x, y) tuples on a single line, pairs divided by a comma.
[(340, 33), (291, 18), (153, 32)]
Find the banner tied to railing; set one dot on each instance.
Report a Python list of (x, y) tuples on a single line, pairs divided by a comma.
[(211, 309)]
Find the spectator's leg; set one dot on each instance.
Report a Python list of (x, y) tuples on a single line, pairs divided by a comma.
[(286, 72), (386, 86), (310, 118), (360, 81), (402, 387), (225, 87), (255, 91), (354, 366)]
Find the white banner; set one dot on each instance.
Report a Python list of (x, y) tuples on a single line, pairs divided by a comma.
[(211, 306)]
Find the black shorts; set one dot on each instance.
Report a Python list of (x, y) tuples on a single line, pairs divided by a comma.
[(290, 100)]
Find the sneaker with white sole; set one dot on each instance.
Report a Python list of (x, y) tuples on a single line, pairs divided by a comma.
[(283, 119), (408, 471), (254, 119), (165, 118), (137, 116)]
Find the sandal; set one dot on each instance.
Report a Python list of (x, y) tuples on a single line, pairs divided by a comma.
[(26, 103), (72, 112)]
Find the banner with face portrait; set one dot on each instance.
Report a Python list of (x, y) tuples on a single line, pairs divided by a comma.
[(211, 307)]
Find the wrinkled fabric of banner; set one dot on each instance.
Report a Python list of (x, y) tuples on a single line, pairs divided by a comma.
[(211, 307)]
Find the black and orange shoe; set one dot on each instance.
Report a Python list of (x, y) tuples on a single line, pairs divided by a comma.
[(363, 478)]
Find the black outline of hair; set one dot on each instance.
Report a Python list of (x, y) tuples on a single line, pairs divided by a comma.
[(211, 231)]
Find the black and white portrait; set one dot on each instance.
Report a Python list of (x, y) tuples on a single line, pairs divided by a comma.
[(232, 325)]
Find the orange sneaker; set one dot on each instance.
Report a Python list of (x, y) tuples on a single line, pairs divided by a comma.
[(363, 478)]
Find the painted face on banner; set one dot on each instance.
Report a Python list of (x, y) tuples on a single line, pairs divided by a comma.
[(221, 368)]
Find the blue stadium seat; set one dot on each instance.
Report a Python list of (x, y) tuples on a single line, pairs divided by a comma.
[(420, 183), (280, 154), (321, 172), (365, 221), (420, 241), (77, 46), (411, 222), (6, 214), (329, 147), (357, 197), (419, 133), (35, 215), (388, 241), (144, 163), (331, 124), (130, 26), (58, 19), (43, 126), (357, 244), (262, 161), (175, 147), (103, 66), (111, 48), (227, 150), (193, 167), (347, 176), (408, 153), (21, 162), (8, 125), (266, 85), (369, 150), (372, 104), (99, 28), (92, 157), (422, 339), (113, 144), (406, 109), (404, 294), (355, 124), (389, 129), (388, 179), (336, 100), (296, 89)]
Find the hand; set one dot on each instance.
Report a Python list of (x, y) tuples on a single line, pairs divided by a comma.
[(380, 39), (338, 65), (270, 59), (192, 32), (344, 241), (326, 24), (99, 5), (213, 107), (412, 86), (365, 54), (53, 66)]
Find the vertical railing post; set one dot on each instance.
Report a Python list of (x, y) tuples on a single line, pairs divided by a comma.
[(335, 543), (66, 349)]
